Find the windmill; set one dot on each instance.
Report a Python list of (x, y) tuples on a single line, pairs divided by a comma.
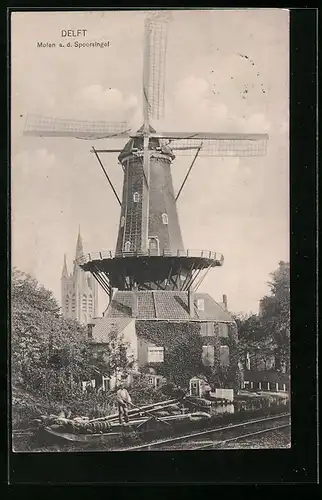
[(149, 252)]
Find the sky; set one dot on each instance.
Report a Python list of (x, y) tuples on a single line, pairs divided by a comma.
[(236, 206)]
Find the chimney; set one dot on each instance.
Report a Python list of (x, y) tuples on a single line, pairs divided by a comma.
[(134, 304), (224, 300), (191, 305)]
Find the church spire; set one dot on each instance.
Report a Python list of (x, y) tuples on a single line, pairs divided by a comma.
[(79, 245), (64, 273)]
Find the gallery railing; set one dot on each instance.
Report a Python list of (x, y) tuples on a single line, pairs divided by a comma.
[(108, 254)]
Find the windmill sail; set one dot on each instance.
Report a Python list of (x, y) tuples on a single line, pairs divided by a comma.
[(155, 47), (215, 144), (59, 127)]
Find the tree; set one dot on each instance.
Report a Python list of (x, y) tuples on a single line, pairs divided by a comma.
[(253, 340), (113, 357), (49, 352), (275, 314), (267, 334)]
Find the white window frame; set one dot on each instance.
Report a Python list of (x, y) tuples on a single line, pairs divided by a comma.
[(127, 246), (106, 383), (208, 359), (165, 219), (223, 328), (156, 240), (158, 354), (201, 304), (136, 197)]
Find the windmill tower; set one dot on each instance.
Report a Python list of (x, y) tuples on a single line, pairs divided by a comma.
[(155, 276)]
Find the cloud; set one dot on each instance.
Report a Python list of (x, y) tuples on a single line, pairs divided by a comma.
[(193, 107), (108, 103), (26, 162)]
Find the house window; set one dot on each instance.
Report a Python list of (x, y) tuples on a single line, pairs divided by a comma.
[(155, 354), (208, 355), (200, 304), (207, 329), (223, 330), (224, 355), (67, 302), (106, 383), (122, 221), (127, 246), (136, 197), (84, 303), (165, 219)]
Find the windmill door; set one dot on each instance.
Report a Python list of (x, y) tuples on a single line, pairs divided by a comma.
[(153, 246)]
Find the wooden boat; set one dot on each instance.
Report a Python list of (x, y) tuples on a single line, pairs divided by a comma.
[(140, 425), (78, 438)]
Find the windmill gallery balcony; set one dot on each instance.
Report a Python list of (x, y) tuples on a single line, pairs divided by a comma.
[(180, 270)]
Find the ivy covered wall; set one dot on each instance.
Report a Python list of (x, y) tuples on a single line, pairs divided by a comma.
[(183, 347)]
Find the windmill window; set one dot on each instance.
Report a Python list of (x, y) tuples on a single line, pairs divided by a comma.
[(84, 303), (136, 197), (73, 303), (165, 219), (154, 246), (127, 246), (122, 221)]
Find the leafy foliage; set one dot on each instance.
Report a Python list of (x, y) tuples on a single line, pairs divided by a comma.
[(49, 353), (112, 358), (267, 335), (275, 316), (182, 348)]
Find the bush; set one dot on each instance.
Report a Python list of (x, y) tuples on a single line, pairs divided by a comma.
[(143, 394)]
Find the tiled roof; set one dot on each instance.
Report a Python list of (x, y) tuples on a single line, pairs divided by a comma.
[(165, 305), (105, 325)]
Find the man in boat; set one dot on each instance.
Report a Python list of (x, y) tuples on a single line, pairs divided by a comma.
[(123, 400)]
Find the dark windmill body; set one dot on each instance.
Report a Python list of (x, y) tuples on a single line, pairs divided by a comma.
[(149, 253), (150, 276)]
